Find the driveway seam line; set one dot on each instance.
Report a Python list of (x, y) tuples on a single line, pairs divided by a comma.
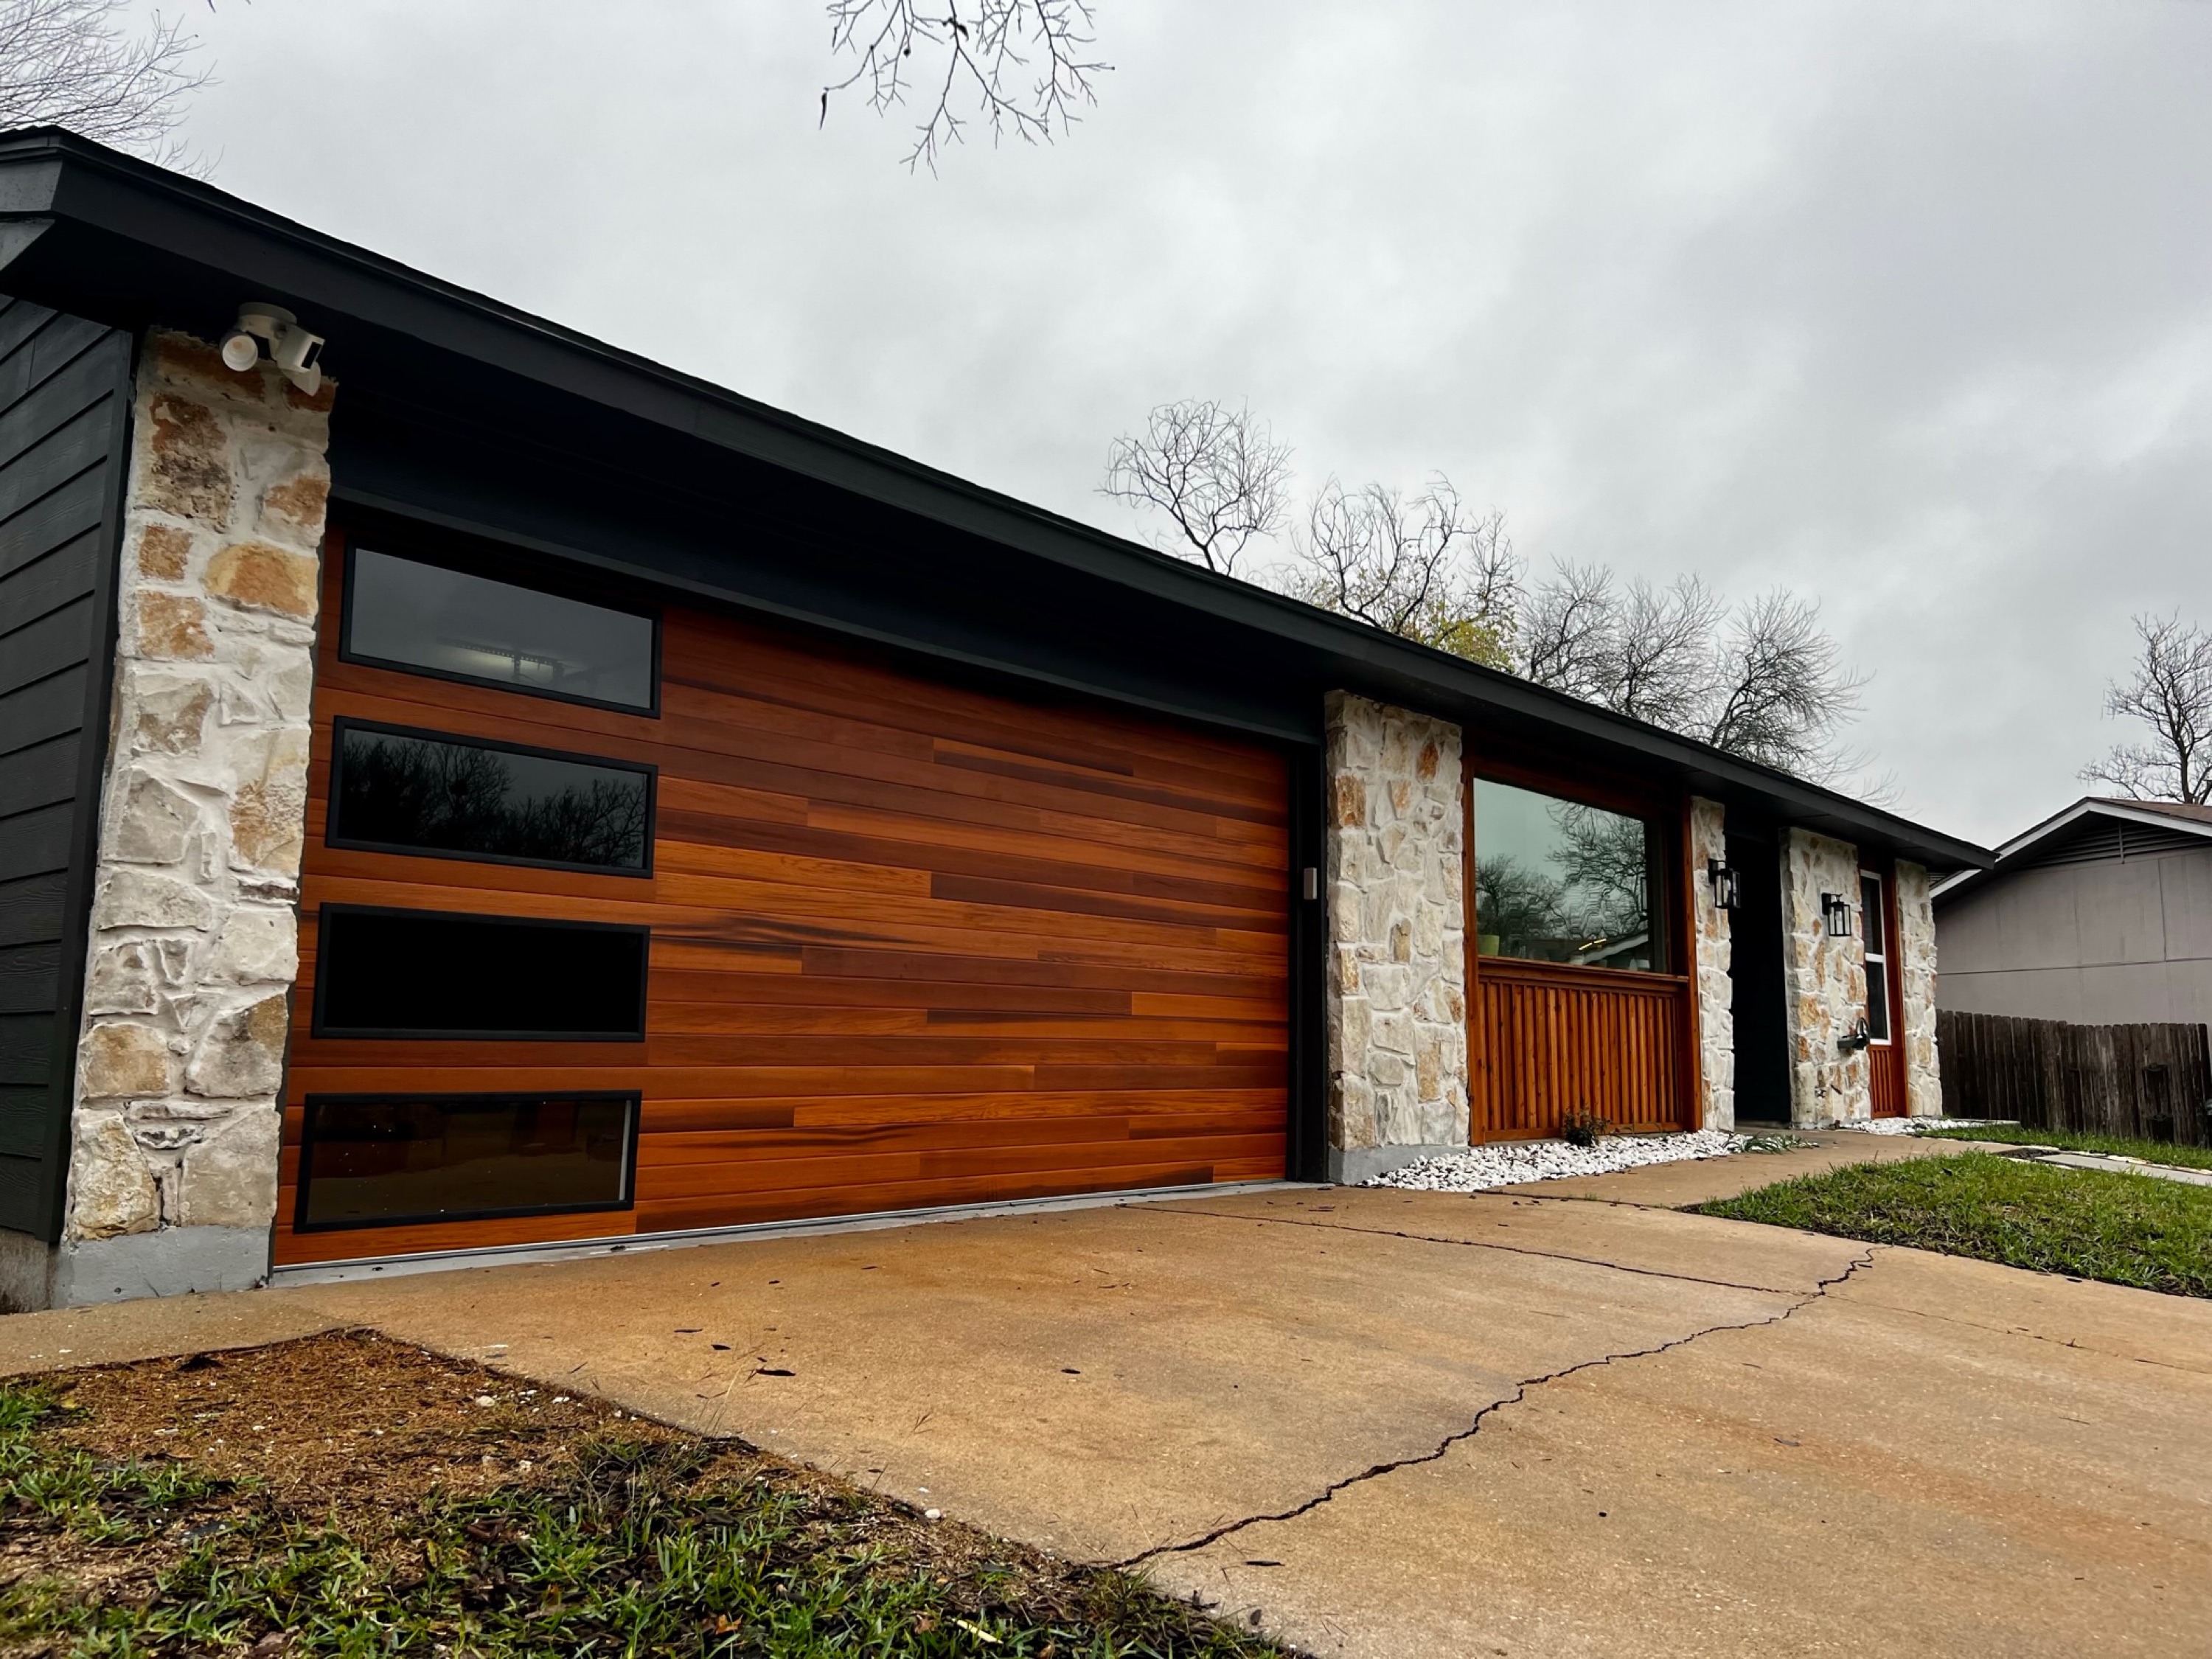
[(1519, 1393), (2033, 1336), (1510, 1249)]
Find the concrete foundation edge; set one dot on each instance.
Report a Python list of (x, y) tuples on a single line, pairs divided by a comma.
[(1349, 1168), (174, 1261)]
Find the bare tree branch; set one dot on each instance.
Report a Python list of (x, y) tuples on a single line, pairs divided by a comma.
[(1766, 683), (70, 64), (1567, 632), (1222, 479), (1784, 692), (2171, 692), (1663, 668), (984, 58), (1427, 570)]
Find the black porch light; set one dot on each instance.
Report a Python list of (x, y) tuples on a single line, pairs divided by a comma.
[(1728, 893), (1835, 916)]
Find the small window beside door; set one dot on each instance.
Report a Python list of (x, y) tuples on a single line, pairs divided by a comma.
[(1874, 914)]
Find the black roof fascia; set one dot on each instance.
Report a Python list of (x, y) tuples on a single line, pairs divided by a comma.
[(132, 244)]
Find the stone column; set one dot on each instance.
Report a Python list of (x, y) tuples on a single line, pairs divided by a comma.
[(180, 1069), (1824, 983), (1710, 971), (1916, 952), (1397, 983)]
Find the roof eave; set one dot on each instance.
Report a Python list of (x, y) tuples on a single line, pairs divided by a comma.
[(56, 178)]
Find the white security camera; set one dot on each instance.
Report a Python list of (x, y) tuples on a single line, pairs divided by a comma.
[(296, 353)]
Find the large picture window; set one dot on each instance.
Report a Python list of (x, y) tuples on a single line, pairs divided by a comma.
[(401, 613), (384, 973), (1555, 880), (394, 790), (381, 1160)]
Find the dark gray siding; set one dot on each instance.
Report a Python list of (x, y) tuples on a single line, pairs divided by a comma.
[(64, 419)]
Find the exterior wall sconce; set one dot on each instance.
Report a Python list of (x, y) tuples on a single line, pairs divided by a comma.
[(1835, 916), (1854, 1039), (1728, 892)]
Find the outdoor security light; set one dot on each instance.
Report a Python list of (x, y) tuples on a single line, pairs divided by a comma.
[(296, 353), (1728, 889), (1836, 916)]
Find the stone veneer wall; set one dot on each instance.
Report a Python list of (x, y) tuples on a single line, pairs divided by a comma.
[(1397, 979), (1824, 987), (173, 1168), (1916, 949), (1715, 990)]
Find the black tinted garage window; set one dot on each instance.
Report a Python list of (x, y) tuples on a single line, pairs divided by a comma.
[(373, 1160), (406, 614), (422, 974)]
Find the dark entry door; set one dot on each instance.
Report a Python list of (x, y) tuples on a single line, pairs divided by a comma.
[(1762, 1045)]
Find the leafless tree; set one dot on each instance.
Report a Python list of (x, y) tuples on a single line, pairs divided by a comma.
[(1221, 478), (1023, 65), (2171, 692), (1567, 628), (1663, 668), (1765, 681), (72, 63), (1784, 693), (1428, 569)]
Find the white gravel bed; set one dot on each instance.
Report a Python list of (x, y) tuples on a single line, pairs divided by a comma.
[(1504, 1164), (1913, 1126)]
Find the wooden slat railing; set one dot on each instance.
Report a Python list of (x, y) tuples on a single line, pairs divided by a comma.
[(1550, 1040)]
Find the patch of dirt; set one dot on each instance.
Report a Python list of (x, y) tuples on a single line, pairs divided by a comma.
[(347, 1420)]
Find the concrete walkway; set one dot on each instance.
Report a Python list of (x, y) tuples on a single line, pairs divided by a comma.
[(1411, 1423)]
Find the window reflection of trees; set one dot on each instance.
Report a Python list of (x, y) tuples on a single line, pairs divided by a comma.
[(1587, 900), (410, 791)]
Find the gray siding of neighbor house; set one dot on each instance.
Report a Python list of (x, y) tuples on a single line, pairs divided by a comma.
[(2109, 942), (64, 415)]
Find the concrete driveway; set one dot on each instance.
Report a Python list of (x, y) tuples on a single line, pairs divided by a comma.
[(1415, 1424)]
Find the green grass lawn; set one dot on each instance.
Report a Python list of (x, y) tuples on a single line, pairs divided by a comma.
[(2083, 1140), (2125, 1229)]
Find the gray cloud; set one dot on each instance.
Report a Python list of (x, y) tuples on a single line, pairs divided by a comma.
[(1904, 306)]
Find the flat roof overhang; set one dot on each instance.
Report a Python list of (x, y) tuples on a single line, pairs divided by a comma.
[(86, 229)]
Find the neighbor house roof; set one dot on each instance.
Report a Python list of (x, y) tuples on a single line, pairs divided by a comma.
[(2166, 819), (87, 229)]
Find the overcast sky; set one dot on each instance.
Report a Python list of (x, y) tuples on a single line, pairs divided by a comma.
[(1905, 304)]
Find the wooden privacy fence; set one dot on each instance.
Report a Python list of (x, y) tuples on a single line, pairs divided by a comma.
[(2148, 1080)]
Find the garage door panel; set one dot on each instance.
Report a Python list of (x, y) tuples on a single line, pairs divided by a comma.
[(913, 943), (708, 840), (677, 1117)]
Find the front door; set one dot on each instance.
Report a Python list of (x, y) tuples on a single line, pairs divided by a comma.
[(1884, 1020)]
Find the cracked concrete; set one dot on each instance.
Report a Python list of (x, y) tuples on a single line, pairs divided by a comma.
[(1405, 1423), (1519, 1393)]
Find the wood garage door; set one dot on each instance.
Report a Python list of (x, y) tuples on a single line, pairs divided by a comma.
[(911, 944)]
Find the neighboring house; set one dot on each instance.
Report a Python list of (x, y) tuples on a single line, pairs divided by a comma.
[(522, 798), (2100, 915)]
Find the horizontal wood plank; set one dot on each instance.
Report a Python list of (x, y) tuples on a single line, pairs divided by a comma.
[(914, 944)]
